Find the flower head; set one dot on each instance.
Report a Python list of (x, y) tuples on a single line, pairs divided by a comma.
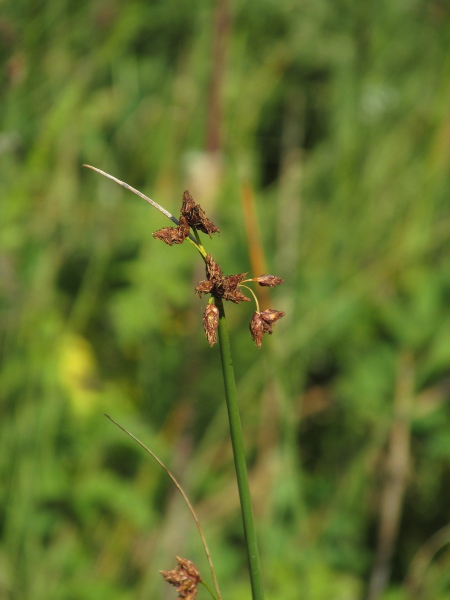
[(191, 215), (219, 285), (173, 235), (269, 280), (262, 322), (185, 578), (211, 323), (195, 215)]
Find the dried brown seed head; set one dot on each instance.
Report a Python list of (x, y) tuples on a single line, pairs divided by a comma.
[(270, 315), (195, 215), (269, 280), (213, 270), (226, 287), (206, 225), (204, 287), (257, 328), (262, 322), (173, 235), (231, 282), (185, 578), (236, 296), (189, 567), (192, 215), (187, 204), (211, 323)]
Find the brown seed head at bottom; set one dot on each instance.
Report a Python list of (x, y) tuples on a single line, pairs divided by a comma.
[(185, 578)]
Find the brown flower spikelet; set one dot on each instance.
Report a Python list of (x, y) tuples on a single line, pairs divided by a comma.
[(213, 270), (195, 215), (173, 235), (211, 323), (257, 328), (228, 288), (204, 287), (262, 322), (270, 315), (220, 286), (191, 215), (269, 280), (185, 578), (213, 274)]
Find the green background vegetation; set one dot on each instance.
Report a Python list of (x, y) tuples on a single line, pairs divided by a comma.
[(332, 120)]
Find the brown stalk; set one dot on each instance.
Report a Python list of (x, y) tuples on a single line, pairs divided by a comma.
[(396, 473), (221, 31), (255, 248)]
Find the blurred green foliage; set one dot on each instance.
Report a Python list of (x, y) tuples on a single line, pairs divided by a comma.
[(335, 115)]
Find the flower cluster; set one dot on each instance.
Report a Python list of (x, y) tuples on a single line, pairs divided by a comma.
[(220, 286), (185, 578), (191, 215)]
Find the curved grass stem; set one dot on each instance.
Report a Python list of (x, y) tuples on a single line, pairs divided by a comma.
[(237, 441), (149, 200), (199, 244), (186, 499), (252, 293)]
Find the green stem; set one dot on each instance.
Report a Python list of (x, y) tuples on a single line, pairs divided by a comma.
[(239, 455), (199, 244), (209, 589), (252, 293)]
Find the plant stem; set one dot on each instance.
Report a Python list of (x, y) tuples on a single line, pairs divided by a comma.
[(147, 199), (237, 440), (252, 293), (239, 455), (186, 499)]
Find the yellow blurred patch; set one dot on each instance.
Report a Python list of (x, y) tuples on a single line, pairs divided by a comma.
[(79, 376)]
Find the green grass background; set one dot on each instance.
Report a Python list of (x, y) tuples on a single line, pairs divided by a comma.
[(335, 117)]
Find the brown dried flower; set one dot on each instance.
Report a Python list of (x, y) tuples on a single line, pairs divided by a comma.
[(211, 323), (257, 326), (213, 270), (195, 215), (220, 286), (270, 315), (262, 322), (227, 288), (173, 235), (192, 215), (269, 280), (204, 287), (185, 578)]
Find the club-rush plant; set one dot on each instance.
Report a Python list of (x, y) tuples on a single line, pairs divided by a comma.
[(220, 287)]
